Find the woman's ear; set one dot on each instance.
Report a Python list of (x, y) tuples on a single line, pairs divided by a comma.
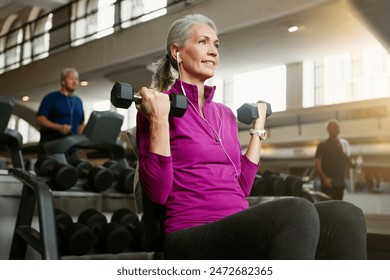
[(175, 53)]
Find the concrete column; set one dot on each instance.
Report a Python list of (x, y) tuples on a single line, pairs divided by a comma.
[(294, 86)]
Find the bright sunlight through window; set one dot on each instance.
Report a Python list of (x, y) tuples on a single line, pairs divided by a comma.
[(268, 85)]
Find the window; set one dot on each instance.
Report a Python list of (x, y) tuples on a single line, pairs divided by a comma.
[(78, 24), (105, 18), (41, 43), (130, 11), (29, 133), (2, 57), (12, 46), (350, 77), (308, 84), (154, 9), (93, 19), (374, 82), (268, 85)]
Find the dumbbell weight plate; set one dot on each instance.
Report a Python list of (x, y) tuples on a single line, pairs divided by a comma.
[(78, 239), (73, 238), (63, 176), (110, 237), (259, 186), (294, 186), (178, 105), (132, 223), (92, 219), (248, 112), (275, 185), (113, 238), (99, 179), (125, 180), (126, 217), (62, 220), (124, 177), (43, 165), (122, 95), (82, 167), (115, 167)]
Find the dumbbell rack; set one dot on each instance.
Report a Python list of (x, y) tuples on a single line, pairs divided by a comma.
[(34, 192)]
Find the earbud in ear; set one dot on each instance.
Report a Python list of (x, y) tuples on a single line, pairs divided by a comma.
[(178, 57)]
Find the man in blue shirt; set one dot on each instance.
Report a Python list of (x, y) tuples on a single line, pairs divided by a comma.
[(61, 113)]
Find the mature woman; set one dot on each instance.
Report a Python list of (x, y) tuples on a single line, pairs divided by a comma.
[(194, 166)]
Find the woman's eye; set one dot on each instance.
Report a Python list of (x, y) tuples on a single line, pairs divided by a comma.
[(202, 42)]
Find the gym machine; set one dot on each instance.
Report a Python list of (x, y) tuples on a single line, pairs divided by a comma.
[(10, 140)]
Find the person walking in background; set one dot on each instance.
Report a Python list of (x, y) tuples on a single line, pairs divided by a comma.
[(61, 113), (332, 158)]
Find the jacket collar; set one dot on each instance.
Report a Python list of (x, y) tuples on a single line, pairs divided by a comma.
[(191, 91)]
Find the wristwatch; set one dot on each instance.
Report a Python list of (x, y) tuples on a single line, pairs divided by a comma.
[(261, 133)]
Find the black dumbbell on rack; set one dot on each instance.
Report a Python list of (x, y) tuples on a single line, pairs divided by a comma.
[(275, 184), (122, 96), (259, 186), (111, 237), (60, 176), (97, 178), (123, 176), (132, 223), (72, 238), (294, 186)]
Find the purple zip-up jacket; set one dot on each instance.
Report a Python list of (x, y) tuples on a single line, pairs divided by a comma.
[(207, 177)]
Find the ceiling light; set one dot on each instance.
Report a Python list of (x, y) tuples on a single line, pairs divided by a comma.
[(83, 83), (293, 28), (25, 98)]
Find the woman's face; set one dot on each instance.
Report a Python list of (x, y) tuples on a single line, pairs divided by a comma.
[(199, 55)]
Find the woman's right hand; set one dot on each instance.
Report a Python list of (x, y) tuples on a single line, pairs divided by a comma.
[(155, 105), (259, 122)]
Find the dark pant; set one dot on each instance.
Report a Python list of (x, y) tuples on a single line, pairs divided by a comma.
[(288, 228), (335, 192)]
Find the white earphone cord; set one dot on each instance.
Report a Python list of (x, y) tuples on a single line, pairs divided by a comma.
[(218, 135)]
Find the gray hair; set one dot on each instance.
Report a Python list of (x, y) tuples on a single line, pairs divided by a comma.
[(65, 72), (178, 34)]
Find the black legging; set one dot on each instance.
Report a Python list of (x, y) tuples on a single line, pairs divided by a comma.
[(288, 228)]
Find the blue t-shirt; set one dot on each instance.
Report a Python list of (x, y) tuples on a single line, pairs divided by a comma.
[(61, 109)]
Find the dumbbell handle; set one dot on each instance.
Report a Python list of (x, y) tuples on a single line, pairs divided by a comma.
[(137, 99), (268, 112)]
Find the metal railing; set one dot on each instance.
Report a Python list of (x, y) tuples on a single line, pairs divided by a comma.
[(57, 29)]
